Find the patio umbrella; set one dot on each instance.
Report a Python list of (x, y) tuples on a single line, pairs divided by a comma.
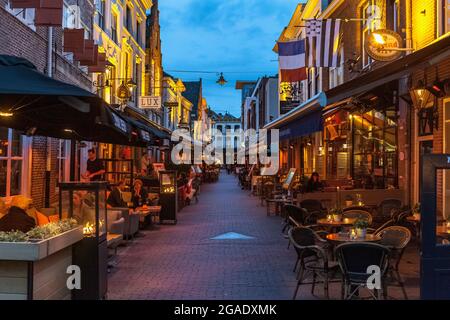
[(36, 104)]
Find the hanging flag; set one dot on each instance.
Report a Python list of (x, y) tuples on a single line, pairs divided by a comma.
[(292, 57), (323, 43)]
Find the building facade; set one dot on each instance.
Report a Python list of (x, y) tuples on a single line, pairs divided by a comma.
[(28, 164), (371, 132)]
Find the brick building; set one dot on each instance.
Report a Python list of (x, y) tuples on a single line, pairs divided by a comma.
[(25, 160), (371, 131)]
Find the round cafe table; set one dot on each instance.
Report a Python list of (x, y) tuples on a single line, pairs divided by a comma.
[(332, 223), (345, 237)]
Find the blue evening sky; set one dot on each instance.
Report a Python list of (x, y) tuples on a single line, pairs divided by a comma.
[(235, 37)]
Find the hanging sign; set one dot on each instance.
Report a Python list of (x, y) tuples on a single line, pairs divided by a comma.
[(380, 42), (149, 102)]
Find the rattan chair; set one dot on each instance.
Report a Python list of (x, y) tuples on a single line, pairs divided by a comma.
[(386, 206), (354, 259), (358, 214), (396, 238), (312, 257)]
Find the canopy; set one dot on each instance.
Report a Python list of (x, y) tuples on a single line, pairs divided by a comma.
[(36, 104)]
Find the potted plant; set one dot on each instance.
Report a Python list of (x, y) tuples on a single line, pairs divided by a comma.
[(361, 226), (336, 214), (348, 201)]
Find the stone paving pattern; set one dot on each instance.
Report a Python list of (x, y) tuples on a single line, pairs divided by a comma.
[(182, 262)]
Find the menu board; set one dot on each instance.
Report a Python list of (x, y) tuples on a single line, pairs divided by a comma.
[(290, 177)]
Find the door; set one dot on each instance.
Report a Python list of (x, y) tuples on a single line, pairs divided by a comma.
[(435, 232), (425, 147)]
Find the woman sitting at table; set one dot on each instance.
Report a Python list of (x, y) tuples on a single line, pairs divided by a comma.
[(139, 194), (314, 183)]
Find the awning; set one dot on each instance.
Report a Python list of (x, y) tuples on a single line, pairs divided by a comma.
[(38, 105), (302, 120), (394, 70), (154, 128)]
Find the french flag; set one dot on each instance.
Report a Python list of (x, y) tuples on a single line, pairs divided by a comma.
[(292, 60)]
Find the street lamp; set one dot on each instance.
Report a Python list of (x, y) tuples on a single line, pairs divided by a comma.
[(420, 94), (221, 81)]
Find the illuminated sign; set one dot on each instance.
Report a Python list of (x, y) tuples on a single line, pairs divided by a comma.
[(384, 45)]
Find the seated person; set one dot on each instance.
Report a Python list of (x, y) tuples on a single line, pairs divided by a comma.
[(115, 198), (314, 183), (82, 211), (17, 218), (139, 195)]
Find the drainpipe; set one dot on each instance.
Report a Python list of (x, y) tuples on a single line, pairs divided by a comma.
[(49, 140)]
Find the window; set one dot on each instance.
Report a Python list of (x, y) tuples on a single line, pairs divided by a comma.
[(375, 147), (138, 32), (310, 82), (11, 162), (129, 20), (100, 17), (444, 16), (336, 76), (64, 161), (24, 15), (371, 20), (114, 27)]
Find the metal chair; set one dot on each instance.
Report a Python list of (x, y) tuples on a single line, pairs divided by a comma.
[(358, 214), (355, 259), (312, 257), (396, 238)]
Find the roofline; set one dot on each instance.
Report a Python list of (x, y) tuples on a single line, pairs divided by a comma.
[(240, 84)]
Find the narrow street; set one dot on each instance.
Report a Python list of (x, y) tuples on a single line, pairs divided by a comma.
[(183, 262)]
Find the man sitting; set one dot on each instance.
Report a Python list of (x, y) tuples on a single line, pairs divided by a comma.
[(115, 198)]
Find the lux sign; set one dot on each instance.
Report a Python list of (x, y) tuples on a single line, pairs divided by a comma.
[(149, 102)]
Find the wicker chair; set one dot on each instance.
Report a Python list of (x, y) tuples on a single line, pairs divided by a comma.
[(396, 238), (355, 214), (386, 206), (312, 258), (355, 259)]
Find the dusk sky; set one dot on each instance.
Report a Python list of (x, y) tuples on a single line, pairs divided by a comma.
[(235, 37)]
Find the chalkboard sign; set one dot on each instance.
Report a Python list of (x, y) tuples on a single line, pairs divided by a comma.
[(290, 178)]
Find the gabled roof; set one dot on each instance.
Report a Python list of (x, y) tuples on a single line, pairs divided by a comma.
[(193, 94)]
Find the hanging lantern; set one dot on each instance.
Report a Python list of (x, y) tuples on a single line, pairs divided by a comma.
[(420, 94), (123, 92), (221, 81)]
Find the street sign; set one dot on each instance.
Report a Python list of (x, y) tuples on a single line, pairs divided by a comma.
[(149, 102), (171, 104)]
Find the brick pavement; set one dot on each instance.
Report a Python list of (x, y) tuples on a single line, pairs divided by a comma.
[(182, 262)]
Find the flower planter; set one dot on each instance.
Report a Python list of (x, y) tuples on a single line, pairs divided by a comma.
[(35, 250)]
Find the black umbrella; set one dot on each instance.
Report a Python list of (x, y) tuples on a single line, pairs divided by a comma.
[(36, 104)]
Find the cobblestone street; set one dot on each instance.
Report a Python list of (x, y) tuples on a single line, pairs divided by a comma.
[(183, 262)]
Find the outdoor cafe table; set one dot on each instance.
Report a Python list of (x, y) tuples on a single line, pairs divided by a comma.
[(343, 238)]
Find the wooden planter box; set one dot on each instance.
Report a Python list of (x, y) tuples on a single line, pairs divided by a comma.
[(37, 270)]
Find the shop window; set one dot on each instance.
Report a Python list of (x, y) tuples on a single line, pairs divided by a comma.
[(336, 149), (11, 162), (375, 148)]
